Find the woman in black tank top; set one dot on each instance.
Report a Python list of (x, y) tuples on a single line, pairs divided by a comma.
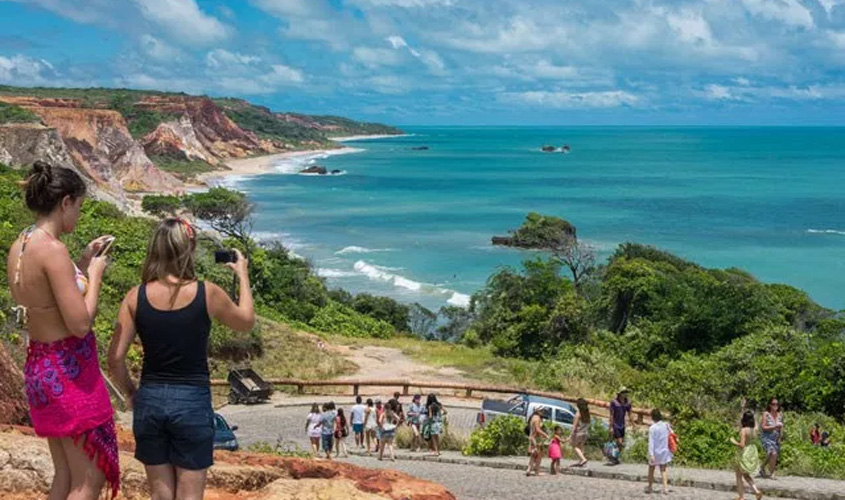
[(172, 311)]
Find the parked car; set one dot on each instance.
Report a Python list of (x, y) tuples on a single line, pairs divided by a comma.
[(522, 405), (224, 436)]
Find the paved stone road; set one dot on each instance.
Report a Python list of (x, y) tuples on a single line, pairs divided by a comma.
[(477, 483), (271, 424)]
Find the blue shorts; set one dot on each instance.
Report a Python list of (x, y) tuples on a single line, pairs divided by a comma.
[(358, 428), (328, 442), (174, 424)]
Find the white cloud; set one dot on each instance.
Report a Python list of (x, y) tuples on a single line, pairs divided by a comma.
[(373, 57), (573, 100), (81, 11), (397, 41), (718, 93), (22, 70), (158, 50), (220, 58), (184, 21), (690, 27), (430, 58), (789, 12), (291, 8), (404, 3)]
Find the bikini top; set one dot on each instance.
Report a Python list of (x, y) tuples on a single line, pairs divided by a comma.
[(22, 311)]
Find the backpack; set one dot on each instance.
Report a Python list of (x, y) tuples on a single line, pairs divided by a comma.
[(528, 429)]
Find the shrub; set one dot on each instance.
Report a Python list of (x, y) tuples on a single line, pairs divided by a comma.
[(161, 205), (705, 443), (337, 318), (449, 441), (504, 435)]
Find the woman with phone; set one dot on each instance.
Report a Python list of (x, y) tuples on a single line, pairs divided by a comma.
[(172, 311), (57, 302)]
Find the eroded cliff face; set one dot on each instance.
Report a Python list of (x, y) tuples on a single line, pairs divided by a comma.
[(21, 144), (97, 143), (204, 122), (26, 472)]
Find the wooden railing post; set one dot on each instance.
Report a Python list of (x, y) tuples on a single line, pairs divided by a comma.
[(405, 390), (355, 389), (469, 392), (300, 389)]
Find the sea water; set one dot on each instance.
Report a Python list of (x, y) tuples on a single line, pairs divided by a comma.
[(416, 224)]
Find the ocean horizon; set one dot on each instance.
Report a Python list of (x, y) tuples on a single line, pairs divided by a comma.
[(416, 224)]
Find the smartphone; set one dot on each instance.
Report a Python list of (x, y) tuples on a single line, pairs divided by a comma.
[(104, 249), (225, 256)]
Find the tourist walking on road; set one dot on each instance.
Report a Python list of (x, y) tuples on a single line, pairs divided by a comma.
[(771, 437), (357, 417), (312, 428), (580, 431), (536, 436), (341, 431), (555, 452), (747, 461), (327, 423), (414, 415), (620, 410), (434, 421), (57, 303), (659, 452), (370, 425), (387, 423), (172, 311)]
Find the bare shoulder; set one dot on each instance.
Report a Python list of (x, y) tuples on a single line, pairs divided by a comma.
[(214, 294)]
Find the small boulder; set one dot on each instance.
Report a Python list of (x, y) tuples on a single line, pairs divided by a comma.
[(315, 169), (548, 149), (420, 148), (336, 172)]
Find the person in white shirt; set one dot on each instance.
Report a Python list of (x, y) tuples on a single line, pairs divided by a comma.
[(659, 453), (357, 416)]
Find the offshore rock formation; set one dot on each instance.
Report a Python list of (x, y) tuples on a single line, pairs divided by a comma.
[(26, 471)]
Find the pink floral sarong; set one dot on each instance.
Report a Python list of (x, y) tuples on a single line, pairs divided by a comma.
[(68, 398)]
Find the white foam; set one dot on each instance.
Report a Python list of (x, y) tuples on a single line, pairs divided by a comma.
[(355, 249), (459, 299), (293, 165), (826, 231), (327, 174), (334, 273), (378, 273)]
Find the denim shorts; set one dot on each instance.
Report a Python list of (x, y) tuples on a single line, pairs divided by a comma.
[(174, 424), (328, 442)]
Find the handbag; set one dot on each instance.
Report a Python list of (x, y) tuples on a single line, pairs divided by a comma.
[(673, 442), (388, 427)]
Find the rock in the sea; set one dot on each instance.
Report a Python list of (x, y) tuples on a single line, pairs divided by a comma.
[(315, 169), (548, 149), (336, 171), (420, 148)]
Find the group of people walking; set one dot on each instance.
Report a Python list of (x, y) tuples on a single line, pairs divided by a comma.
[(171, 310), (374, 425)]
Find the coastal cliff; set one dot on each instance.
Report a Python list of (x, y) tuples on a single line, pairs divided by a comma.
[(127, 141)]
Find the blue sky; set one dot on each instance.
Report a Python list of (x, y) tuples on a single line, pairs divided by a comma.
[(453, 62)]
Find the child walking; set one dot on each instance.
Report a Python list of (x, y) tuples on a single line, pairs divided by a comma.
[(555, 452), (747, 462)]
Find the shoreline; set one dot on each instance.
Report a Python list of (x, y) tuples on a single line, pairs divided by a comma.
[(265, 164), (351, 138)]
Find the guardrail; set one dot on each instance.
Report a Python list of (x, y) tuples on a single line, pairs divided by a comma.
[(642, 415)]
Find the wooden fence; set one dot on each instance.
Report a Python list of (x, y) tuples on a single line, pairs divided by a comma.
[(642, 415)]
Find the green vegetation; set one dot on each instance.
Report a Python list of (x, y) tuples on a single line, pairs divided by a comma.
[(502, 436), (267, 125), (338, 126), (9, 113), (184, 169)]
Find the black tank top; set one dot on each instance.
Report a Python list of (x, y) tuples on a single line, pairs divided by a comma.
[(175, 342)]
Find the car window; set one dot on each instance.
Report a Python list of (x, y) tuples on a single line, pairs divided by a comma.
[(563, 416), (518, 409), (220, 424)]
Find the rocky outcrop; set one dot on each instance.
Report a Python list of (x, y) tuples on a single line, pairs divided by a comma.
[(315, 170), (21, 144), (13, 408), (99, 145), (26, 472), (177, 139), (219, 135)]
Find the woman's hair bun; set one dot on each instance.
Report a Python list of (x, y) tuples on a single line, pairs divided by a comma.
[(47, 186)]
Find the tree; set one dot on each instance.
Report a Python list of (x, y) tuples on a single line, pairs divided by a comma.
[(421, 320), (456, 321), (161, 205), (227, 212)]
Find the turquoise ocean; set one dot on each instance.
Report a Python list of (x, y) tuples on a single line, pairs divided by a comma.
[(416, 224)]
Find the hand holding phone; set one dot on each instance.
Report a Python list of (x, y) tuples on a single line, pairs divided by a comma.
[(105, 247), (225, 257)]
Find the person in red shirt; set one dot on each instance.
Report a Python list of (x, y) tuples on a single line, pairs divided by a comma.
[(815, 435)]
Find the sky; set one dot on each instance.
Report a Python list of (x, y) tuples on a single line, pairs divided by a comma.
[(453, 62)]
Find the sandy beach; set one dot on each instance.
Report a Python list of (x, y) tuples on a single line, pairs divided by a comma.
[(244, 167)]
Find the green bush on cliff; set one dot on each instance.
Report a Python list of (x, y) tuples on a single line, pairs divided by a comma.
[(9, 113), (340, 319), (502, 436)]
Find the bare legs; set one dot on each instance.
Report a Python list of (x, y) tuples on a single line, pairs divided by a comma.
[(371, 437), (580, 453), (534, 462), (664, 473), (77, 477), (771, 465), (315, 446), (740, 486), (386, 443), (435, 444), (340, 447), (169, 483)]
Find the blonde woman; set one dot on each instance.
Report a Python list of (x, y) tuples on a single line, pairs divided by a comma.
[(57, 301), (171, 311)]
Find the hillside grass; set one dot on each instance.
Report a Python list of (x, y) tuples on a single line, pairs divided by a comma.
[(9, 113), (184, 169)]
